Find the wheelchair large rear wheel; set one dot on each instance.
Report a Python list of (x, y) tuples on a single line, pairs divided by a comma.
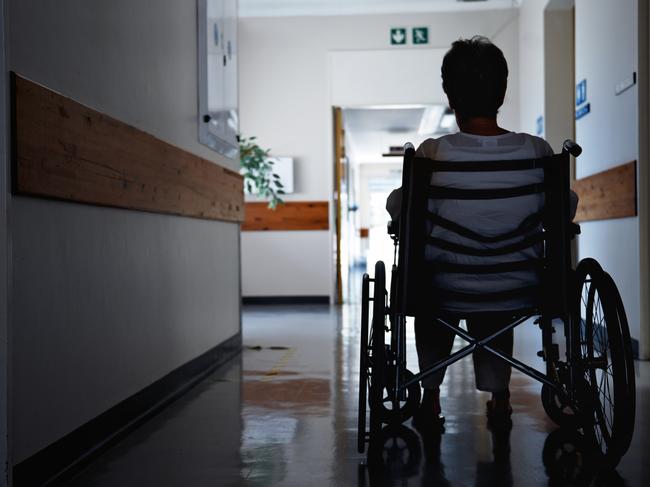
[(606, 393), (377, 359)]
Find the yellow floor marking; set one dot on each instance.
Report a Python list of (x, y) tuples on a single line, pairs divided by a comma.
[(280, 364)]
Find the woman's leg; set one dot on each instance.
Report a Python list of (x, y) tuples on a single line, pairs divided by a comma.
[(433, 342), (492, 373)]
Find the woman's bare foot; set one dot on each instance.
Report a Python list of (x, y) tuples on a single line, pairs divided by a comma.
[(431, 400), (499, 409)]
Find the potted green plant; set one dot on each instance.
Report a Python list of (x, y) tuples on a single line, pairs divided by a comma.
[(257, 169)]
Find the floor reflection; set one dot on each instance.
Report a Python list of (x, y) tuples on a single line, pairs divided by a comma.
[(532, 452), (284, 413), (412, 458), (195, 441), (288, 394)]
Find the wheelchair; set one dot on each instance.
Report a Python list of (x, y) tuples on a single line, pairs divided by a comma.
[(588, 387)]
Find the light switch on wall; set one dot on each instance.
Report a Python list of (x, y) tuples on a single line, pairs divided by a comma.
[(626, 84)]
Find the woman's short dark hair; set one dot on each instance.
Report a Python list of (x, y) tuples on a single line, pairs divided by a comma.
[(475, 76)]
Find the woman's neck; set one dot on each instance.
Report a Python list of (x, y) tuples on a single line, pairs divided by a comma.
[(480, 126)]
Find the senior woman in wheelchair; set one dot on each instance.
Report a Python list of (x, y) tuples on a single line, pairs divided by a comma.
[(474, 77)]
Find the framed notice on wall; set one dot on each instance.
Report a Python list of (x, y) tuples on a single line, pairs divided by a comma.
[(217, 65)]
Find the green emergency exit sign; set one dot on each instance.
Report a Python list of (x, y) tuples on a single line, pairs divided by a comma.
[(398, 36), (420, 35)]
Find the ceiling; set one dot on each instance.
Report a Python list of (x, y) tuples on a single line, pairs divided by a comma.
[(371, 131), (284, 8), (383, 119)]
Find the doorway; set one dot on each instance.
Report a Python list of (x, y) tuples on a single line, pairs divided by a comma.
[(368, 167)]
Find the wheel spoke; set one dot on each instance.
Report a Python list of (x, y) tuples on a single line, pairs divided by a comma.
[(595, 348)]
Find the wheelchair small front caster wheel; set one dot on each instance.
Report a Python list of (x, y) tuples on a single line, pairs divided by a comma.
[(407, 407), (564, 415)]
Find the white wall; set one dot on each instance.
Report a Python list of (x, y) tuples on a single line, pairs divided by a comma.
[(606, 53), (546, 66), (290, 71), (608, 135), (531, 63), (106, 301), (559, 78), (285, 263)]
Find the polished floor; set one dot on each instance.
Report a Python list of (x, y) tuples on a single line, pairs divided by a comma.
[(284, 413)]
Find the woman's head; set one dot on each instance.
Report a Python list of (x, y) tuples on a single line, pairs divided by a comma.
[(474, 77)]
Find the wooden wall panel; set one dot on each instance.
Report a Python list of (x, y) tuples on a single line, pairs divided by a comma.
[(67, 151), (608, 194), (292, 215)]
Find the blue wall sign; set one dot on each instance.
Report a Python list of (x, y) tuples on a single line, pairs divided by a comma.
[(582, 111), (540, 125), (581, 92)]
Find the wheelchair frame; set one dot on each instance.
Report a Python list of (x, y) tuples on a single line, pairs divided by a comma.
[(568, 393)]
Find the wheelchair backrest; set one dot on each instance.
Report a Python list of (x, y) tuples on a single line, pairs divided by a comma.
[(546, 228)]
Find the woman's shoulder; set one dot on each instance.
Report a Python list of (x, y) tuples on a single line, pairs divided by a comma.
[(542, 148), (530, 143), (429, 148)]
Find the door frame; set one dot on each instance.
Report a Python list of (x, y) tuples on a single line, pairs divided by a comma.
[(5, 456), (339, 154), (644, 175)]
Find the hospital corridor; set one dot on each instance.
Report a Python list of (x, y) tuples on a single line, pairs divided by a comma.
[(325, 243)]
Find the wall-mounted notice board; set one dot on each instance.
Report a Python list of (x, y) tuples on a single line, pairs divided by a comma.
[(217, 69)]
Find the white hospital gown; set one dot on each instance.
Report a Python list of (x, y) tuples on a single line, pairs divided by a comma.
[(487, 217)]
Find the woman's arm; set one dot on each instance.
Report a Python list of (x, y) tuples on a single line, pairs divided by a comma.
[(426, 149)]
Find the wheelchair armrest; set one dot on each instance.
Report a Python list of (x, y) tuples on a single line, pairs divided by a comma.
[(574, 229), (393, 228)]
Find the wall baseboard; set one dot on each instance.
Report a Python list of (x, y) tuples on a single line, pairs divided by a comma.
[(285, 300), (66, 455)]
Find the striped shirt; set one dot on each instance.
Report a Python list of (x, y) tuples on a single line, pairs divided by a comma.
[(487, 217)]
